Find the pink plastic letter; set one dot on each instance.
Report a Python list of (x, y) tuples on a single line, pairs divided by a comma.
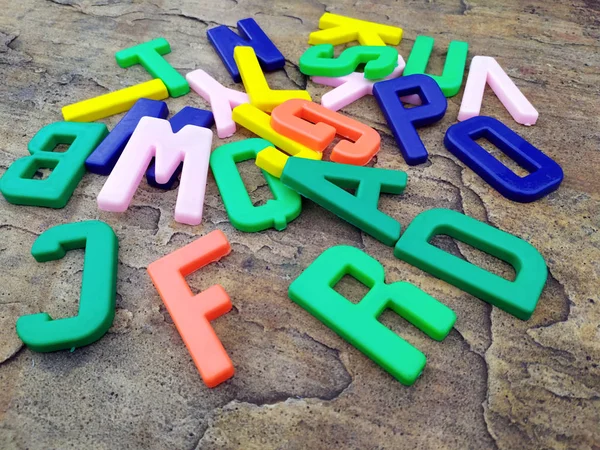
[(485, 69), (154, 138), (350, 88), (222, 100)]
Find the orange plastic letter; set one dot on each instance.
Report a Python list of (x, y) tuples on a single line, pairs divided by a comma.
[(192, 313), (293, 120)]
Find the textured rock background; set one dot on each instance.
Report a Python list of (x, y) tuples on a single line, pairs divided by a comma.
[(495, 382)]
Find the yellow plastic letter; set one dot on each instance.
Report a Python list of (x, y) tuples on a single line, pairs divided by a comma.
[(270, 159), (114, 102), (255, 83), (337, 30)]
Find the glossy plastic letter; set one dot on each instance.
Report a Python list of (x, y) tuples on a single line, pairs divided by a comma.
[(225, 40), (316, 126), (105, 156), (192, 313), (454, 67), (518, 297), (379, 61), (357, 323), (486, 70), (150, 56), (545, 174), (114, 102), (336, 30), (96, 312), (403, 122), (350, 88), (270, 159), (276, 213), (222, 100), (325, 182), (18, 185), (188, 115), (255, 83), (154, 138)]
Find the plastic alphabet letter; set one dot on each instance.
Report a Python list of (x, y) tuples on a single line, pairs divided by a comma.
[(18, 185), (350, 88), (485, 69), (104, 158), (255, 83), (155, 138), (225, 40), (96, 312), (270, 159), (316, 126), (379, 61), (454, 67), (222, 100), (114, 102), (518, 297), (357, 323), (150, 56), (276, 213), (192, 313), (403, 122), (325, 182), (336, 30), (545, 174), (188, 115)]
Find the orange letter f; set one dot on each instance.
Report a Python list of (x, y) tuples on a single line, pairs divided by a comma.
[(192, 313)]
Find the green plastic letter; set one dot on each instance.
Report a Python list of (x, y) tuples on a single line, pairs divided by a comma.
[(98, 288), (17, 184), (276, 213), (518, 297), (357, 323), (380, 61), (454, 67), (324, 183), (149, 55)]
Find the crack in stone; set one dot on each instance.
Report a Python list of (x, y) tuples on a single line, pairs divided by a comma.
[(299, 19), (14, 355), (9, 55), (464, 7), (292, 330), (279, 398), (486, 375), (206, 23), (297, 68), (8, 225), (565, 316)]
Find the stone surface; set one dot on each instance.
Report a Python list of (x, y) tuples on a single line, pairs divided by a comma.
[(495, 382)]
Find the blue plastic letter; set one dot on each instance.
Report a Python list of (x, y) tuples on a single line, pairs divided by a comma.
[(545, 174), (107, 153), (224, 41), (403, 122)]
